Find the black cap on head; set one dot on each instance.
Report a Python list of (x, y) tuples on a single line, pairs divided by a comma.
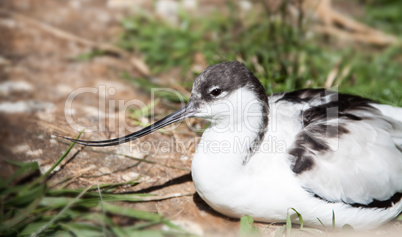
[(228, 77)]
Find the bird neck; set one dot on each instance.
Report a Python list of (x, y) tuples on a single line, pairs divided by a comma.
[(244, 128)]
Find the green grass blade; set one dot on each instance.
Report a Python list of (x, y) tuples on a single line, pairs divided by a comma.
[(103, 210), (61, 157), (147, 233), (138, 214), (247, 227), (173, 227), (60, 213), (322, 223), (84, 229), (120, 232), (14, 189), (26, 196), (300, 218), (52, 203), (32, 228), (24, 169), (288, 224), (143, 111), (94, 197), (141, 226), (20, 217), (111, 185)]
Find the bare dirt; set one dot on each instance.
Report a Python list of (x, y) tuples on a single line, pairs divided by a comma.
[(38, 73)]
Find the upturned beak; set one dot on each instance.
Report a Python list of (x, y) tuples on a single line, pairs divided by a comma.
[(185, 112)]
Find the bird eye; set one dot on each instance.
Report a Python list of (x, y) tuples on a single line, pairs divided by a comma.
[(216, 92)]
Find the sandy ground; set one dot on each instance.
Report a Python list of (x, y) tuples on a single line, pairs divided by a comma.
[(39, 74)]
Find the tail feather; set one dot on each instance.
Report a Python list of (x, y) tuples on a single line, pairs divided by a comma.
[(390, 111), (393, 115)]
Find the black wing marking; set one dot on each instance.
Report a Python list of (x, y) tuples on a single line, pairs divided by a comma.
[(328, 115), (322, 106), (397, 197)]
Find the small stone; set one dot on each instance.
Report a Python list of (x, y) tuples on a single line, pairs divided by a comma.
[(20, 148), (8, 87), (4, 61), (25, 106), (129, 176), (35, 152), (9, 23)]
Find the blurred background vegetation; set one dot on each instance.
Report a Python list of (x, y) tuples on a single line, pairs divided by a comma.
[(282, 47)]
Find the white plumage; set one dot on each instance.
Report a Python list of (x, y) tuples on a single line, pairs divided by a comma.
[(362, 165), (313, 150)]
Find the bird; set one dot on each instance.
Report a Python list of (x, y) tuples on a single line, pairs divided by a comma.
[(334, 158)]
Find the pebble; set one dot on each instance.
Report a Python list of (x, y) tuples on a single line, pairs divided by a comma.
[(28, 106), (37, 152), (20, 148), (129, 176), (8, 87)]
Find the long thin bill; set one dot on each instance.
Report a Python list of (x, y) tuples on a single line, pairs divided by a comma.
[(185, 112)]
